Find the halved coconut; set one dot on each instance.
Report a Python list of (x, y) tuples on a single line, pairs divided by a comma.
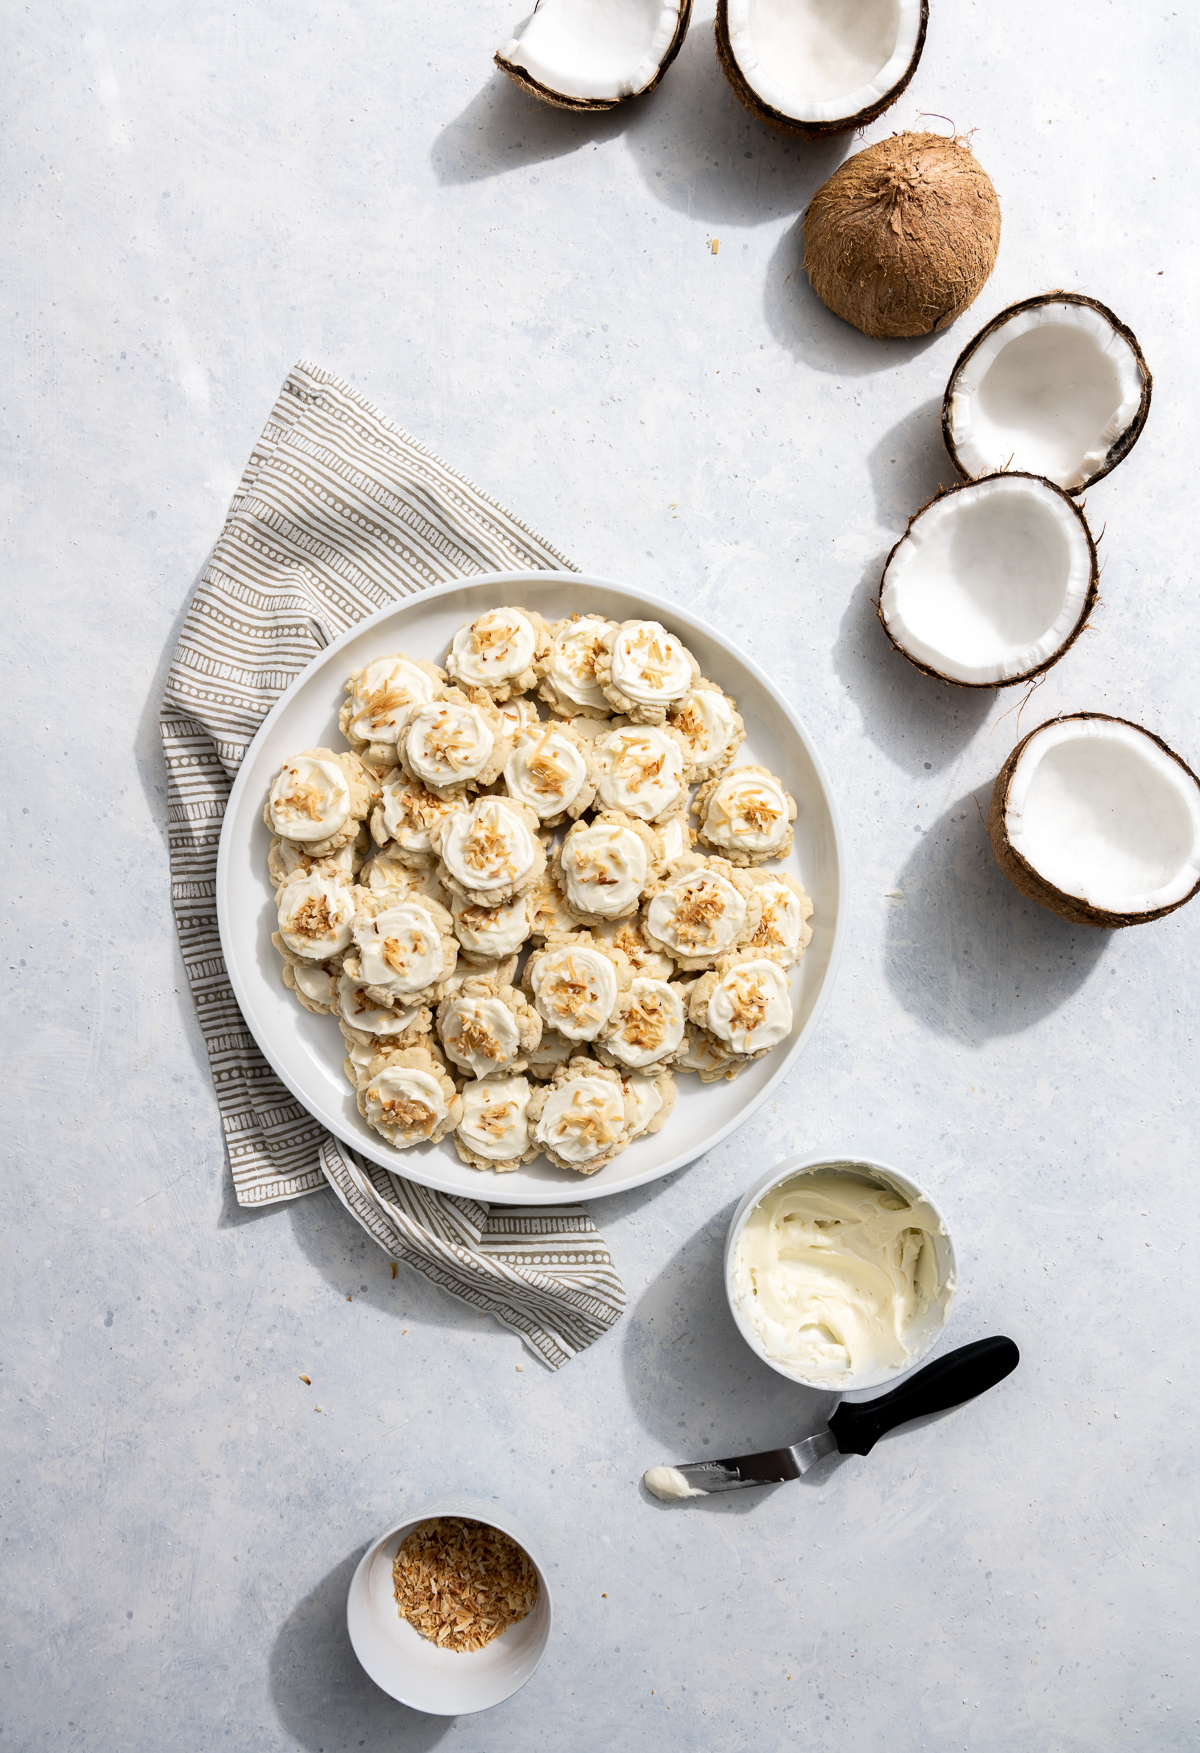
[(1099, 820), (991, 582), (816, 67), (1055, 384), (591, 54)]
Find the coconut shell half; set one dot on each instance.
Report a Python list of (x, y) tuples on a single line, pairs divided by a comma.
[(555, 58), (1098, 819), (765, 81)]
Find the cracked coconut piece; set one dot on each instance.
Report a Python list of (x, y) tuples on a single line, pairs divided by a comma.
[(576, 984), (746, 815), (704, 908), (487, 1028), (319, 801), (499, 652), (408, 1097), (582, 1118), (494, 1132)]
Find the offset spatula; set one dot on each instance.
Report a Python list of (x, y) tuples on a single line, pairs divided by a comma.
[(854, 1430)]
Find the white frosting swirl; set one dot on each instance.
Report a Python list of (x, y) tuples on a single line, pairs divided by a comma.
[(491, 931), (582, 1118), (405, 1105), (747, 812), (545, 770), (674, 838), (571, 662), (400, 949), (409, 811), (364, 1014), (647, 1098), (751, 1007), (315, 983), (652, 1026), (604, 869), (649, 665), (640, 770), (315, 916), (496, 647), (705, 720), (385, 696), (518, 714), (490, 846), (698, 914), (575, 989), (448, 742), (338, 866), (782, 921), (495, 1122), (480, 1033), (627, 935), (310, 800)]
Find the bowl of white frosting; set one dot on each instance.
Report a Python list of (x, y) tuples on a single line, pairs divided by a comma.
[(840, 1272)]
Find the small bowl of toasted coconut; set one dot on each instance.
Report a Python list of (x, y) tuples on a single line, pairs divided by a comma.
[(449, 1611)]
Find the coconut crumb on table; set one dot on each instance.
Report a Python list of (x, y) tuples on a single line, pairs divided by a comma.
[(460, 1583)]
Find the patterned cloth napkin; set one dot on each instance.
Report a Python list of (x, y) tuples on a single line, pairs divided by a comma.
[(339, 513)]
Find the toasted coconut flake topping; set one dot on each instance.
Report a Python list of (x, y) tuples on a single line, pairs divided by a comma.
[(758, 811), (573, 993), (404, 1113), (311, 918), (586, 1119), (749, 1001), (486, 847), (697, 912), (460, 1583), (476, 1039), (646, 1022), (398, 955), (449, 742), (487, 633), (304, 797)]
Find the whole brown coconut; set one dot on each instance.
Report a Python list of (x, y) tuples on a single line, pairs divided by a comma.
[(902, 237)]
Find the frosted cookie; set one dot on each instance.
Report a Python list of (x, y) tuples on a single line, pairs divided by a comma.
[(678, 835), (709, 1058), (651, 1094), (627, 935), (645, 671), (711, 727), (704, 909), (551, 769), (488, 934), (605, 867), (517, 714), (568, 671), (490, 853), (287, 858), (387, 871), (643, 770), (783, 933), (551, 1051), (648, 1027), (383, 697), (312, 984), (407, 1096), (404, 948), (404, 815), (576, 983), (745, 1003), (498, 651), (364, 1020), (487, 1028), (581, 1118), (494, 1132), (455, 743), (746, 815), (319, 800), (315, 916)]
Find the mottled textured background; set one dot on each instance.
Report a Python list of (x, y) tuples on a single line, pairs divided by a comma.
[(196, 195)]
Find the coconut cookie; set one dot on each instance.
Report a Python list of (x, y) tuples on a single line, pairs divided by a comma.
[(652, 1095), (455, 744), (549, 915), (581, 1118), (645, 671), (551, 1051), (313, 984), (383, 697), (388, 872), (576, 984), (499, 651), (745, 1003), (648, 1027), (494, 1132), (487, 1028), (404, 948), (517, 714), (605, 867), (783, 933), (568, 671), (364, 1019), (628, 935), (642, 769), (489, 934), (678, 836), (316, 914), (320, 800), (407, 1096), (404, 815), (705, 909), (746, 815), (711, 727), (551, 769), (490, 853), (287, 858)]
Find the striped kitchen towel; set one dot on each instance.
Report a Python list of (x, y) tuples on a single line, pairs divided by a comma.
[(338, 513)]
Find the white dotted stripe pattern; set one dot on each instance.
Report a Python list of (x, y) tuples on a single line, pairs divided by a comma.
[(338, 513)]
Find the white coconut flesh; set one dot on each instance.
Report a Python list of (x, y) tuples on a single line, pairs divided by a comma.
[(990, 582), (1051, 391), (1105, 815), (595, 49), (823, 60)]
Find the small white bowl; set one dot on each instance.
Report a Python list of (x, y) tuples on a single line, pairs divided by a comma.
[(927, 1330), (415, 1671)]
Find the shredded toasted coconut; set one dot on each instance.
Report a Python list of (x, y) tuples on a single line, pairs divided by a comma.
[(460, 1583), (397, 955), (545, 769), (311, 918), (755, 809), (647, 765), (573, 993), (495, 1120), (475, 1037), (646, 1022), (586, 1119), (768, 932), (449, 742), (404, 1113), (750, 1001), (304, 798), (487, 845), (655, 661), (484, 636), (385, 699), (697, 912)]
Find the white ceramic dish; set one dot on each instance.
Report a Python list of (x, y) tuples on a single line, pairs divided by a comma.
[(410, 1668), (927, 1331), (306, 1050)]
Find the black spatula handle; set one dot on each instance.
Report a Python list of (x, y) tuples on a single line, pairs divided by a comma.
[(958, 1376)]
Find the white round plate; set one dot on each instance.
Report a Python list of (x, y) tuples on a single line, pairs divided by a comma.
[(306, 1050)]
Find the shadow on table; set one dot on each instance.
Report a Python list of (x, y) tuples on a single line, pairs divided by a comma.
[(965, 951), (322, 1695)]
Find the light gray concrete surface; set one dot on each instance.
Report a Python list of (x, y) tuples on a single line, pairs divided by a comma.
[(195, 195)]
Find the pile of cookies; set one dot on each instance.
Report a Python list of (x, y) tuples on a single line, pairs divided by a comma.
[(462, 831)]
